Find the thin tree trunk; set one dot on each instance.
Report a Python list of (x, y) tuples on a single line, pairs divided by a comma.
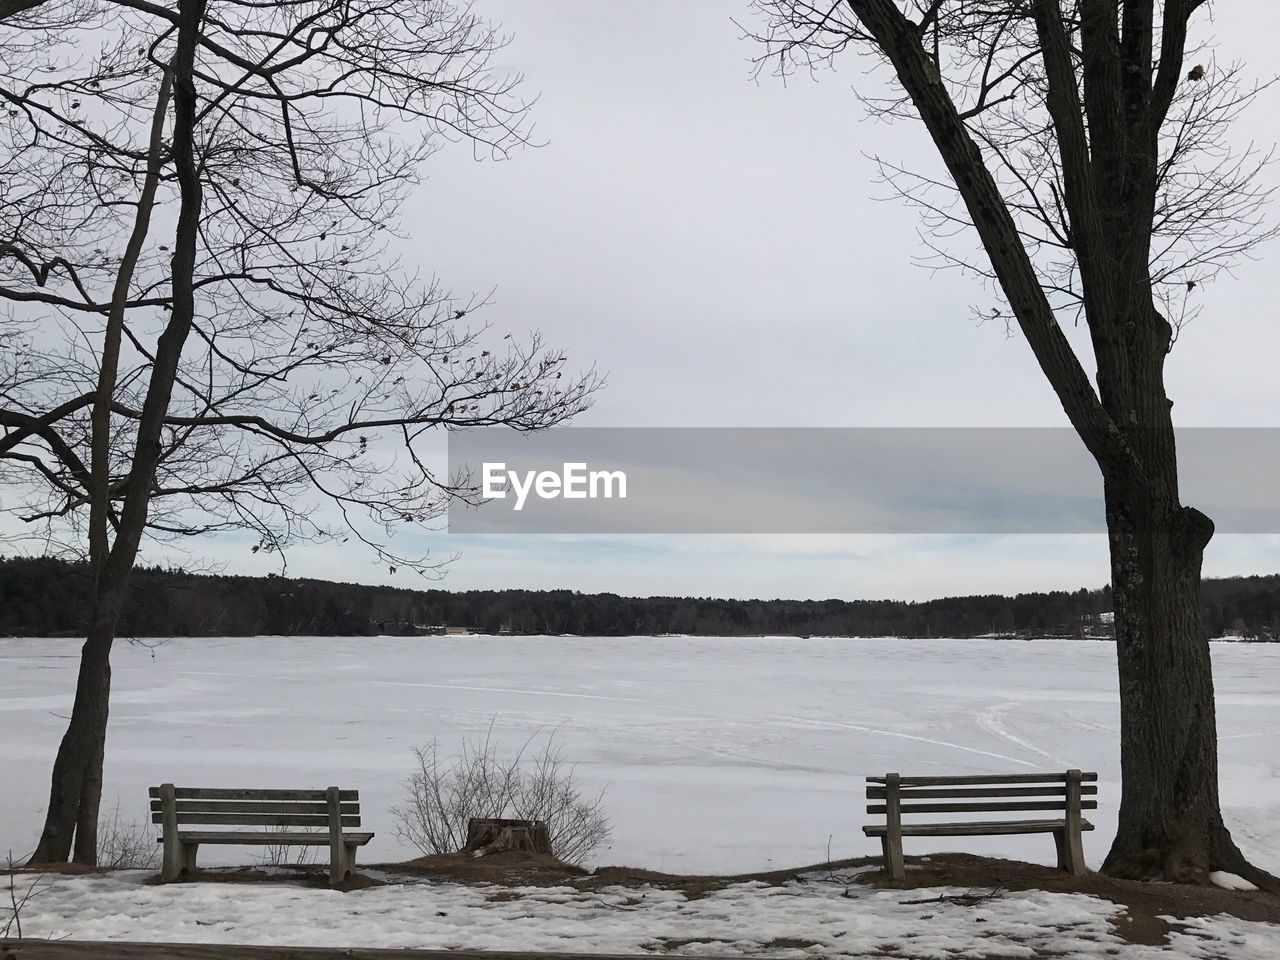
[(77, 769), (76, 791), (109, 360), (86, 846)]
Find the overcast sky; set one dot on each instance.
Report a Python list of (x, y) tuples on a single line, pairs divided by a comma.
[(720, 249)]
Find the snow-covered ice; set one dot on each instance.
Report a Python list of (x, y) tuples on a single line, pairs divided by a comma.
[(718, 755), (795, 920)]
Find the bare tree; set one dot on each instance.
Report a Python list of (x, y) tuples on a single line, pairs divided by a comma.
[(210, 328), (1089, 154)]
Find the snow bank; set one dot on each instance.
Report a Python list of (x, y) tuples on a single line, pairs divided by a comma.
[(799, 919)]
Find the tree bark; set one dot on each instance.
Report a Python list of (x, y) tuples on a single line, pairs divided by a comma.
[(76, 789), (13, 8), (1170, 825), (486, 835)]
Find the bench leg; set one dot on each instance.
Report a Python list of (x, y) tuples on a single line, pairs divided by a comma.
[(1070, 852), (172, 864), (341, 856), (179, 858), (169, 867), (892, 843), (892, 851), (340, 863)]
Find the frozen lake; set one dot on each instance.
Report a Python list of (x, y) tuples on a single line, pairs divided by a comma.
[(717, 754)]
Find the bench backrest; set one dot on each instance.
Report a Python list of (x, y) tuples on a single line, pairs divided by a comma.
[(316, 809), (1064, 793)]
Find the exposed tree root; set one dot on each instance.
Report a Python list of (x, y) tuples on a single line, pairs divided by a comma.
[(1190, 863), (1227, 856)]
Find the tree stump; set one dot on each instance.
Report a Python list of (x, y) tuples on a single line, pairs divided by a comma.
[(486, 835)]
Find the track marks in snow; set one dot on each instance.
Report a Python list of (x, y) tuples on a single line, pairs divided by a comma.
[(993, 721), (880, 732), (523, 691)]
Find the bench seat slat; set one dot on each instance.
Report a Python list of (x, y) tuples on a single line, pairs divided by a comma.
[(932, 793), (269, 839), (253, 806), (209, 793), (995, 806), (975, 828), (984, 778), (258, 819)]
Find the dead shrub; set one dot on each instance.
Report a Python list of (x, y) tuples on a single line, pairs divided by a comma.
[(127, 844), (442, 795)]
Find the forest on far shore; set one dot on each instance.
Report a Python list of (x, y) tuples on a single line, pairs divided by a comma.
[(47, 597)]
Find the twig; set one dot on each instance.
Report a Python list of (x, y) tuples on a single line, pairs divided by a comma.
[(969, 899), (17, 904)]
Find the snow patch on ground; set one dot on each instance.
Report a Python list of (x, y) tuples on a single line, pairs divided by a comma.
[(1230, 881), (796, 920)]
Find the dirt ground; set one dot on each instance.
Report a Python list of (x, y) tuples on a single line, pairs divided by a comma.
[(1143, 902), (1141, 919)]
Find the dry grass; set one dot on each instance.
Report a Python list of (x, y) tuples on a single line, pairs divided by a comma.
[(127, 844), (290, 855)]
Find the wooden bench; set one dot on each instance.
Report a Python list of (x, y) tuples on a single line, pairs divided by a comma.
[(326, 812), (1062, 793)]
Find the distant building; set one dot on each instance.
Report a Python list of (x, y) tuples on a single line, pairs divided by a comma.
[(408, 628)]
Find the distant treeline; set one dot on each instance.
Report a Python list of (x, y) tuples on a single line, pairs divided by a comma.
[(45, 597)]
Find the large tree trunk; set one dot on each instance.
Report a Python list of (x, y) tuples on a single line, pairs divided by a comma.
[(1170, 826)]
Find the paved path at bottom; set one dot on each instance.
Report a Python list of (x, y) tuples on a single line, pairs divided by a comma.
[(120, 950)]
